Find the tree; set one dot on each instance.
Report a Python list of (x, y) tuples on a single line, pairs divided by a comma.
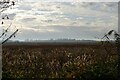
[(4, 5)]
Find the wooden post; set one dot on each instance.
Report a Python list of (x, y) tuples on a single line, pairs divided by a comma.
[(118, 52), (118, 41)]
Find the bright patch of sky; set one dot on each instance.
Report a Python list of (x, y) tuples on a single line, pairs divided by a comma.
[(80, 20)]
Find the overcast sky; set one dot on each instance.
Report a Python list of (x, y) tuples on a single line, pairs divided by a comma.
[(52, 20)]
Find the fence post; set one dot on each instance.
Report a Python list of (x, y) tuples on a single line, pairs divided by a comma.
[(118, 40)]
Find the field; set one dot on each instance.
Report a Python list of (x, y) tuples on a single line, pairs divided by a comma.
[(60, 61)]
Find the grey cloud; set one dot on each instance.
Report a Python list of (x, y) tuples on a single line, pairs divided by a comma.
[(48, 21), (27, 19), (68, 4), (112, 4), (12, 16), (25, 7), (99, 6), (102, 6), (65, 32), (36, 27), (88, 13), (45, 10)]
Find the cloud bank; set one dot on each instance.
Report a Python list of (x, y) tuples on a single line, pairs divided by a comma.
[(46, 20)]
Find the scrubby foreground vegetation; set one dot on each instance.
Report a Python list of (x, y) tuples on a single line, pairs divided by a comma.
[(78, 61)]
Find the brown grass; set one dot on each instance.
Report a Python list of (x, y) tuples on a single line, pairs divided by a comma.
[(48, 61)]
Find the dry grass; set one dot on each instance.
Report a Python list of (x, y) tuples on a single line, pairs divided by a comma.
[(83, 62)]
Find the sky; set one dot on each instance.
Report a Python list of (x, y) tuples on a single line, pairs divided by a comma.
[(41, 20)]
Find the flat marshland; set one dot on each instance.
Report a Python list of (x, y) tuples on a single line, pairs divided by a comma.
[(83, 61)]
